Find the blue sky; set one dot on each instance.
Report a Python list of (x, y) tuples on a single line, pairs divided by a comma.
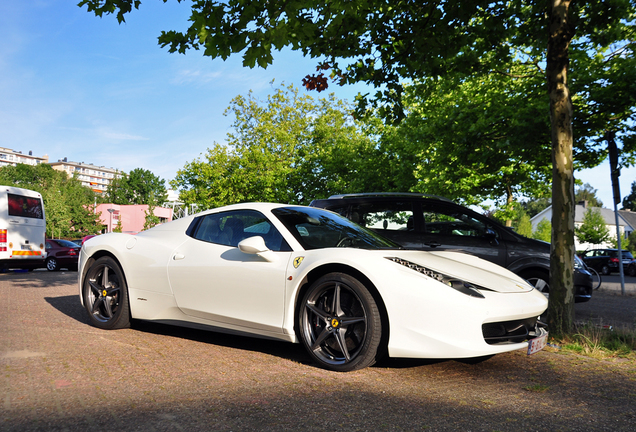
[(77, 86)]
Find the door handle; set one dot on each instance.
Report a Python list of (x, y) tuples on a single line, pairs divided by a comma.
[(178, 256)]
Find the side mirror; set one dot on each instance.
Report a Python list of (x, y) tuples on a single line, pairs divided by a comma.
[(256, 246)]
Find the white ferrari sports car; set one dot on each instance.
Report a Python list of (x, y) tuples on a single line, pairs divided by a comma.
[(309, 276)]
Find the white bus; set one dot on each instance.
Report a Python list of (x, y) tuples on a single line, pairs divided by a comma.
[(22, 228)]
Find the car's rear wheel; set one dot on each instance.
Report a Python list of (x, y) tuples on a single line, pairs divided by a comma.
[(339, 323), (605, 270), (106, 295), (51, 264)]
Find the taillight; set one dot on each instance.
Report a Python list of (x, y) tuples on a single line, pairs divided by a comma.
[(3, 240), (72, 252), (614, 260)]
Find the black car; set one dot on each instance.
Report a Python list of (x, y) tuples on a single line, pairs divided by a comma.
[(426, 222), (605, 261)]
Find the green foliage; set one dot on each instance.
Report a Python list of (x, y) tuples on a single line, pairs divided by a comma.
[(543, 231), (494, 145), (289, 149), (151, 220), (140, 186), (593, 229), (587, 193), (629, 202), (627, 243), (523, 225), (68, 205), (535, 206)]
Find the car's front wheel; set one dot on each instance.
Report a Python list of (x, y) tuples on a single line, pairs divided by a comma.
[(339, 323), (106, 295)]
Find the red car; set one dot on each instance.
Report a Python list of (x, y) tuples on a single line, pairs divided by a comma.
[(61, 254)]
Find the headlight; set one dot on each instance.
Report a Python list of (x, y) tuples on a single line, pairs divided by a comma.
[(451, 281)]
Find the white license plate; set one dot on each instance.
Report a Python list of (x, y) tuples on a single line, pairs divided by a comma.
[(537, 344), (25, 247)]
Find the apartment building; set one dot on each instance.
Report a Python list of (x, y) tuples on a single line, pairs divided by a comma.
[(95, 177), (13, 157)]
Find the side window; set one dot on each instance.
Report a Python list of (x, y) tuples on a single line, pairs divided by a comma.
[(342, 210), (393, 216), (229, 228), (448, 221)]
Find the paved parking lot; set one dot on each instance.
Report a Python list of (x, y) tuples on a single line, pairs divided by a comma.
[(59, 373)]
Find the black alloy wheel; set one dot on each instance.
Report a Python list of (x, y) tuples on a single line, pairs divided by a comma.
[(106, 295), (339, 323)]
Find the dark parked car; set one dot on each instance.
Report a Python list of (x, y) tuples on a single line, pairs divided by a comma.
[(605, 261), (432, 223), (61, 254)]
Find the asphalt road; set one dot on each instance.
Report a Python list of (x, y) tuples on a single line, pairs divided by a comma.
[(59, 373)]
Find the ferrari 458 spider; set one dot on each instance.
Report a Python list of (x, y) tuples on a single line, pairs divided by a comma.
[(309, 276)]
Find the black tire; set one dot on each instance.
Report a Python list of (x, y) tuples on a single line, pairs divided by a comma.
[(339, 323), (106, 295), (538, 279), (605, 270), (631, 270), (51, 264)]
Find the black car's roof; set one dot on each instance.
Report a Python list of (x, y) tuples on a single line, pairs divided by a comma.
[(387, 195)]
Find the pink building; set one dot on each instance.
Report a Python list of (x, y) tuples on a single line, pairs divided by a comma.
[(131, 217)]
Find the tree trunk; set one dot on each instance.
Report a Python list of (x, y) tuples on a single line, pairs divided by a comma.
[(561, 309)]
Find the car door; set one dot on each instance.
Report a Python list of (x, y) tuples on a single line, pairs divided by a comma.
[(212, 279), (446, 226), (593, 259)]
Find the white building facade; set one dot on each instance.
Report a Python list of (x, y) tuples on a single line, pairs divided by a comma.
[(9, 157), (608, 215), (92, 176)]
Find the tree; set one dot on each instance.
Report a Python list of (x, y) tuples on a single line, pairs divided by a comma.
[(151, 219), (543, 231), (536, 206), (140, 186), (629, 202), (383, 44), (587, 193), (593, 229), (289, 148), (495, 146)]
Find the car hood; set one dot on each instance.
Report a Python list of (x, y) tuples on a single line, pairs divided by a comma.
[(468, 268)]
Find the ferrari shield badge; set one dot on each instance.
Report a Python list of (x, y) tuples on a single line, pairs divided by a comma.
[(297, 261)]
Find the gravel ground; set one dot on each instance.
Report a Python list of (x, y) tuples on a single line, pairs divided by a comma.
[(59, 373)]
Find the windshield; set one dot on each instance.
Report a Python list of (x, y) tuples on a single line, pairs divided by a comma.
[(317, 229)]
